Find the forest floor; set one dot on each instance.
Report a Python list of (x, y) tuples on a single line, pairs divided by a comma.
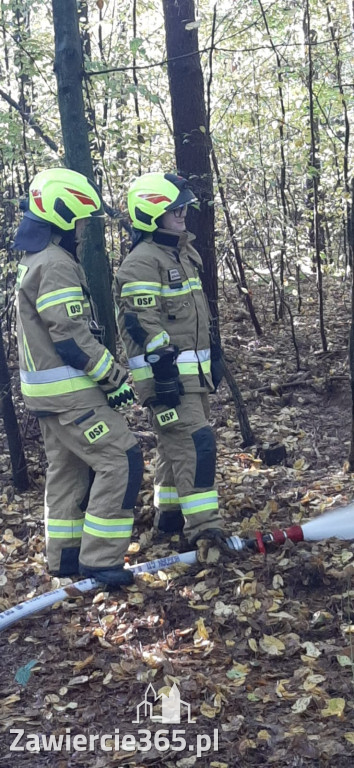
[(261, 648)]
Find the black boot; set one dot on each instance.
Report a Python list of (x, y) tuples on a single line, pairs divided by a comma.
[(171, 522), (69, 562), (117, 576)]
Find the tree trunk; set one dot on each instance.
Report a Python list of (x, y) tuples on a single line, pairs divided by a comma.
[(17, 457), (192, 147), (351, 336), (316, 177), (191, 136), (347, 210), (69, 72), (282, 185)]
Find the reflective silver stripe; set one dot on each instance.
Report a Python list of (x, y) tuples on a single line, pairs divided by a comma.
[(165, 494), (51, 374), (160, 340), (107, 528), (188, 356), (199, 502), (187, 286), (65, 529), (137, 362), (131, 289)]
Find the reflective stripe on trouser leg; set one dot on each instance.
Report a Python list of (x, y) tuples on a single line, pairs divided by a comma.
[(168, 517), (67, 482), (165, 496), (111, 528), (189, 445), (101, 439), (117, 461)]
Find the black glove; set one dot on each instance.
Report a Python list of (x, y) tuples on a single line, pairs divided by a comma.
[(217, 368), (168, 386)]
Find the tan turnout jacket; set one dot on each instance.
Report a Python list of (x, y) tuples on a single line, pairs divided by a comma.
[(160, 300), (61, 363)]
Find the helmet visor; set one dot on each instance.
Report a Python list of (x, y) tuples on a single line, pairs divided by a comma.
[(185, 197)]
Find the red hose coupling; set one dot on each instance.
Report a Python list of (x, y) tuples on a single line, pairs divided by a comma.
[(279, 537), (260, 542), (295, 533)]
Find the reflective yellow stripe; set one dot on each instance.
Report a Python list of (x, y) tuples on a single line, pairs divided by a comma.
[(185, 369), (165, 494), (193, 284), (57, 387), (131, 289), (188, 369), (28, 357), (72, 293), (64, 529), (107, 528), (191, 369), (199, 502), (140, 374), (102, 367), (161, 340), (193, 497), (200, 508)]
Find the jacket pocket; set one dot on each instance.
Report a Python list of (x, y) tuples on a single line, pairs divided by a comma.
[(178, 309)]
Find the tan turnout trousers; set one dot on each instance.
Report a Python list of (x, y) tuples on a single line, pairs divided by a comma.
[(185, 467), (75, 441)]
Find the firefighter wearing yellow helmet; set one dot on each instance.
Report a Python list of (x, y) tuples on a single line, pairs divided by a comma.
[(70, 380), (164, 323)]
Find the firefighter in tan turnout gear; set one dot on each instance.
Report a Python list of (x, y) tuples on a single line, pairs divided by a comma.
[(164, 322), (72, 383)]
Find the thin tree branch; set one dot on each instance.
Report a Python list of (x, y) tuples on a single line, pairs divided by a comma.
[(93, 73), (210, 79), (25, 116)]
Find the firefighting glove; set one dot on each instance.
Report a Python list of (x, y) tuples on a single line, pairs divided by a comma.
[(121, 397), (217, 369), (119, 394), (168, 386)]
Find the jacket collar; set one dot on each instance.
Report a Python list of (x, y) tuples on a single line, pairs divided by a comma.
[(168, 239), (56, 240)]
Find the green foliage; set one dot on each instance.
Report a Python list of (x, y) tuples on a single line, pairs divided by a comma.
[(130, 122)]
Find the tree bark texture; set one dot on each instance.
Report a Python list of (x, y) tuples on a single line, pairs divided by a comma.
[(192, 147), (17, 457), (316, 214), (351, 336), (192, 144), (69, 72)]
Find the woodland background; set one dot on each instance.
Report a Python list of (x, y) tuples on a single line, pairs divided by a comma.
[(252, 101)]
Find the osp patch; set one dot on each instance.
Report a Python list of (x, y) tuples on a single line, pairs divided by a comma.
[(96, 431)]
